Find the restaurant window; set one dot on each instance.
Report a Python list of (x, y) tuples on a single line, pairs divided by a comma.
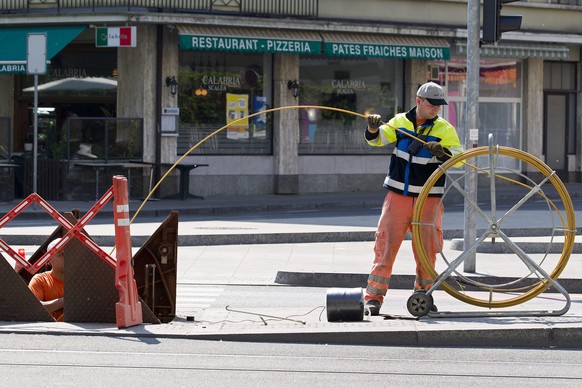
[(500, 99), (560, 78), (216, 89), (361, 85), (80, 83)]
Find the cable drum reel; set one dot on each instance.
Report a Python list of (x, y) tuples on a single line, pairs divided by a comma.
[(538, 279)]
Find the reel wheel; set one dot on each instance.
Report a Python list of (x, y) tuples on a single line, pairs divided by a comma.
[(419, 304)]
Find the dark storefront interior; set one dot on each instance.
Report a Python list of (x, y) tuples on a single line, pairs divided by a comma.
[(77, 121)]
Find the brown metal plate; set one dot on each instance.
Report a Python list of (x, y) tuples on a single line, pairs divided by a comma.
[(90, 293), (155, 266), (17, 302)]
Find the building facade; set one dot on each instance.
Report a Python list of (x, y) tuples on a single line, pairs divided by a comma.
[(220, 82)]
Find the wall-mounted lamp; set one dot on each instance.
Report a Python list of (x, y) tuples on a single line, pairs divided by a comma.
[(294, 87), (201, 91), (172, 84)]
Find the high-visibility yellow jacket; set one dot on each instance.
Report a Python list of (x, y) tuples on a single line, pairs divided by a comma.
[(409, 170)]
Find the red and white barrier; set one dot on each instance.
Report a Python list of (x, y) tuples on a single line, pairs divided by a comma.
[(128, 309)]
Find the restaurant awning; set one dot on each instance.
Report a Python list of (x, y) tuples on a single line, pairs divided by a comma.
[(252, 40), (519, 50), (13, 42), (385, 46), (307, 42)]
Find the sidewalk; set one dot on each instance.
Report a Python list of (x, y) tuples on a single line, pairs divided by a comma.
[(282, 245), (225, 206)]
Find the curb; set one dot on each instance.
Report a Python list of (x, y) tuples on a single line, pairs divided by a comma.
[(527, 247), (536, 335), (209, 209), (399, 282), (317, 237), (218, 239)]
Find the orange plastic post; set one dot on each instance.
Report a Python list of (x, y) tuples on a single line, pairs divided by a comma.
[(21, 253), (128, 310)]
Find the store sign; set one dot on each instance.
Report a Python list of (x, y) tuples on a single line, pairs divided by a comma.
[(55, 72), (386, 51), (252, 45), (115, 37), (68, 72), (346, 86), (15, 68), (14, 50), (237, 110), (221, 83)]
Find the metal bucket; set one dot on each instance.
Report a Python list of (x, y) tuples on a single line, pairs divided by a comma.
[(345, 304)]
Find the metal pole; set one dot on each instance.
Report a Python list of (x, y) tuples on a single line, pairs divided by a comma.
[(36, 63), (471, 129), (35, 138)]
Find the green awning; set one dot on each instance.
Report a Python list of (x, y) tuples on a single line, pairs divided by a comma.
[(13, 44), (249, 40), (385, 46), (520, 50), (237, 39)]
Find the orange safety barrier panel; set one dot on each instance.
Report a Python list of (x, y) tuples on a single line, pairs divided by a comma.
[(128, 309), (73, 231)]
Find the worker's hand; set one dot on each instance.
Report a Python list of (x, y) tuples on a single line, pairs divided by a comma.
[(435, 148), (374, 122)]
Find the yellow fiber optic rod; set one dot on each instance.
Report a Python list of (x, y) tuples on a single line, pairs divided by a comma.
[(295, 107), (228, 125)]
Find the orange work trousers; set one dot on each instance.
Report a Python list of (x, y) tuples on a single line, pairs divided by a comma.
[(395, 221)]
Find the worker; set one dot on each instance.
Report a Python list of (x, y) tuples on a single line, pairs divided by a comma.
[(49, 286), (411, 164)]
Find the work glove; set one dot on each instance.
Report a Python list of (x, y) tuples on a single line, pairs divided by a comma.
[(435, 148), (374, 122)]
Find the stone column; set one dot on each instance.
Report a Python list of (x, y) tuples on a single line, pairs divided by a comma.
[(7, 104), (533, 107), (6, 95), (285, 126), (136, 85)]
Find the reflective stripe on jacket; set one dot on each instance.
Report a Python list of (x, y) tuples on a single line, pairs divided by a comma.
[(407, 173)]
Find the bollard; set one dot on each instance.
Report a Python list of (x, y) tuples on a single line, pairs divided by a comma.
[(128, 310), (21, 253)]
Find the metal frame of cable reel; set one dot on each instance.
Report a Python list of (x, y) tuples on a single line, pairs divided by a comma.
[(421, 302)]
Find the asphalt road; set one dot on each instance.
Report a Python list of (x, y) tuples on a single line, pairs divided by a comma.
[(72, 361)]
